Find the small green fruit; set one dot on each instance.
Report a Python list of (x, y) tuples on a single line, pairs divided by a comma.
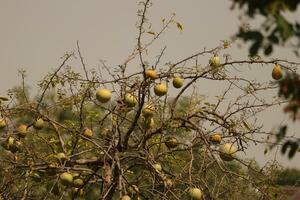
[(66, 178), (177, 82), (148, 110), (149, 123), (38, 124), (195, 193), (103, 95), (78, 182), (157, 167), (125, 197), (226, 151), (88, 133), (2, 123), (171, 142), (215, 61), (130, 100), (22, 130), (160, 89), (61, 156)]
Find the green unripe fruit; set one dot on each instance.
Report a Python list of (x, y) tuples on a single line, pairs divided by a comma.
[(2, 123), (177, 82), (38, 124), (22, 130), (103, 95), (160, 89), (215, 61), (195, 193), (66, 178), (78, 182), (130, 100)]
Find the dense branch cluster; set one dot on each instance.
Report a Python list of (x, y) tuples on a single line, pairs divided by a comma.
[(142, 134)]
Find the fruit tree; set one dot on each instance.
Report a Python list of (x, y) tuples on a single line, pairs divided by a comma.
[(142, 129)]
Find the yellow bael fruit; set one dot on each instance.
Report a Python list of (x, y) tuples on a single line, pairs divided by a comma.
[(215, 138), (125, 197), (10, 141), (215, 61), (2, 123), (133, 189), (103, 95), (66, 178), (168, 182), (160, 89), (151, 73), (149, 123), (81, 192), (171, 142), (38, 124), (148, 110), (88, 133), (226, 151), (77, 182), (130, 100), (157, 167), (177, 82), (195, 193), (277, 72), (61, 156), (22, 130)]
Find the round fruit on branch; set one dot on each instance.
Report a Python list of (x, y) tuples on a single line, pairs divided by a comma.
[(130, 100), (277, 72), (160, 89), (195, 193), (103, 95), (38, 124), (177, 82)]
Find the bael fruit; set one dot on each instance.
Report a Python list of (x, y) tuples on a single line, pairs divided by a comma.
[(157, 167), (148, 110), (160, 89), (61, 156), (171, 142), (130, 100), (2, 123), (277, 72), (168, 182), (151, 73), (226, 151), (66, 178), (22, 130), (195, 193), (215, 138), (125, 197), (88, 133), (177, 82), (149, 123), (38, 124), (215, 61), (78, 182), (103, 95)]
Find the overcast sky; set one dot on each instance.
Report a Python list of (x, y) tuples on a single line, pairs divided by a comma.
[(35, 34)]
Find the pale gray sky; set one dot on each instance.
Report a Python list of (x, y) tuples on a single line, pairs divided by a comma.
[(35, 34)]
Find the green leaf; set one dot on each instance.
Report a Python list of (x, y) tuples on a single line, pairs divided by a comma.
[(293, 149), (151, 32), (268, 50), (285, 147), (179, 26)]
